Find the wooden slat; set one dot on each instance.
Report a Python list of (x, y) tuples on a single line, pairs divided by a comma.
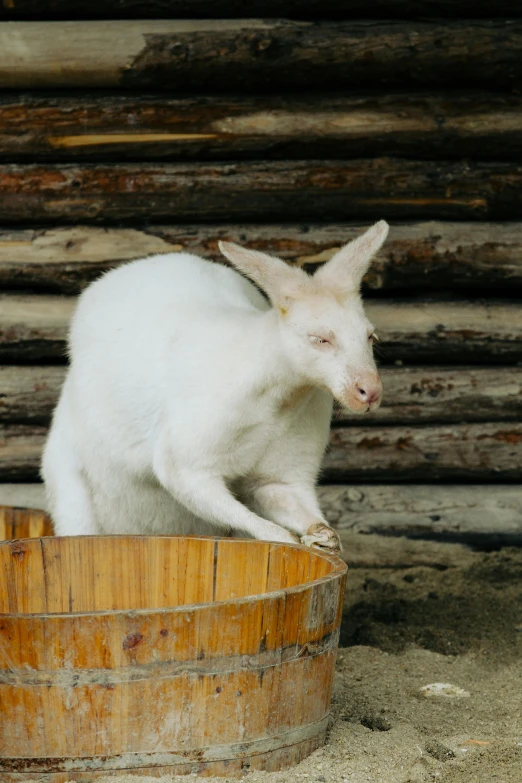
[(35, 328), (411, 395), (119, 127), (455, 511), (467, 451), (475, 452), (485, 257), (222, 9), (220, 56), (278, 191)]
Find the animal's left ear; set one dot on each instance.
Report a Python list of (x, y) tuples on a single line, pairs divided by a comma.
[(344, 272)]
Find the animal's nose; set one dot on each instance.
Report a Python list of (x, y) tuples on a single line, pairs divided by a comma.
[(369, 390)]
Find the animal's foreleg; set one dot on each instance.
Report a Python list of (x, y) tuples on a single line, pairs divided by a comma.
[(295, 508), (208, 497)]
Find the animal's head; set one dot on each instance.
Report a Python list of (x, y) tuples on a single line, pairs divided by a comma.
[(322, 325)]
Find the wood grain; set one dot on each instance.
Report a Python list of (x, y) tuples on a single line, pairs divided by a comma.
[(35, 328), (277, 191), (411, 395), (119, 127), (417, 257), (249, 671), (471, 452), (222, 9), (451, 511), (432, 453), (268, 55)]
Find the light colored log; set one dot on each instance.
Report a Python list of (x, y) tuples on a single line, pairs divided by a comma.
[(377, 551), (416, 257), (207, 128), (480, 452), (416, 509), (411, 395), (213, 55), (35, 327)]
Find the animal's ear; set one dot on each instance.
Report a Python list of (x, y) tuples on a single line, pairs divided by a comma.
[(280, 282), (346, 269)]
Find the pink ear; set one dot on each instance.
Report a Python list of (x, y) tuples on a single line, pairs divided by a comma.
[(278, 280), (347, 268)]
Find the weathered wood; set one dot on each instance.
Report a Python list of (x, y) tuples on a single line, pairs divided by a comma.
[(417, 257), (20, 452), (220, 55), (455, 511), (411, 395), (376, 551), (281, 191), (443, 395), (475, 452), (222, 9), (239, 637), (34, 328), (119, 127), (467, 451)]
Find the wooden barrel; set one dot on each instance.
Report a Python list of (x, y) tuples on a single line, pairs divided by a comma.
[(163, 654), (24, 523)]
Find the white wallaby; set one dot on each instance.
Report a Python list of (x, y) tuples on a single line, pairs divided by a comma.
[(193, 405)]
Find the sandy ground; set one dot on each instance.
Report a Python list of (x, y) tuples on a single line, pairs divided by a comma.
[(407, 628)]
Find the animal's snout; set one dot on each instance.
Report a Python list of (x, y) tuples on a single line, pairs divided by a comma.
[(364, 394), (369, 389)]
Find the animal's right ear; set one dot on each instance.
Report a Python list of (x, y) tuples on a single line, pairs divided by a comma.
[(280, 282)]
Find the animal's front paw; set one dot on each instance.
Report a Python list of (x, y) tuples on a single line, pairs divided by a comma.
[(321, 536)]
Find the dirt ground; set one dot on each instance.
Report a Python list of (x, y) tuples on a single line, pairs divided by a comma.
[(405, 628)]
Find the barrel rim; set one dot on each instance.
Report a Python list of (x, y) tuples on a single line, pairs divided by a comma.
[(339, 569)]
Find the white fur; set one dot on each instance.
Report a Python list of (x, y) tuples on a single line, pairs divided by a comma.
[(193, 405)]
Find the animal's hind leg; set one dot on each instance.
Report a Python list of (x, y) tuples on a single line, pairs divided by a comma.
[(68, 496)]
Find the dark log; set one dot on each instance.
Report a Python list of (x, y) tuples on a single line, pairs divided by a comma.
[(34, 328), (118, 127), (411, 395), (223, 9), (479, 513), (279, 191), (463, 257), (477, 452), (224, 56)]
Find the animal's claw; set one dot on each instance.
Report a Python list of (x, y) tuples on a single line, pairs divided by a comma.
[(321, 536)]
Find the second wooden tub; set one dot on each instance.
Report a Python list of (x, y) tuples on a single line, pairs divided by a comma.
[(156, 655)]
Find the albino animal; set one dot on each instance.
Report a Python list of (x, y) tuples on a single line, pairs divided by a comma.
[(193, 405)]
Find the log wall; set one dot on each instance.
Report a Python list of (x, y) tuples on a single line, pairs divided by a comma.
[(130, 128)]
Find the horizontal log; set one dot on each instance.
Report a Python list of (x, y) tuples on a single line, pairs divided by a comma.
[(119, 127), (281, 191), (411, 395), (222, 9), (454, 511), (34, 328), (417, 257), (221, 56), (474, 452), (467, 451), (458, 512)]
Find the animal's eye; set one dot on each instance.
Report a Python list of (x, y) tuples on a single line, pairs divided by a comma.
[(315, 339)]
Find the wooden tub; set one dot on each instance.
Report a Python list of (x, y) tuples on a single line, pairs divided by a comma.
[(159, 654)]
